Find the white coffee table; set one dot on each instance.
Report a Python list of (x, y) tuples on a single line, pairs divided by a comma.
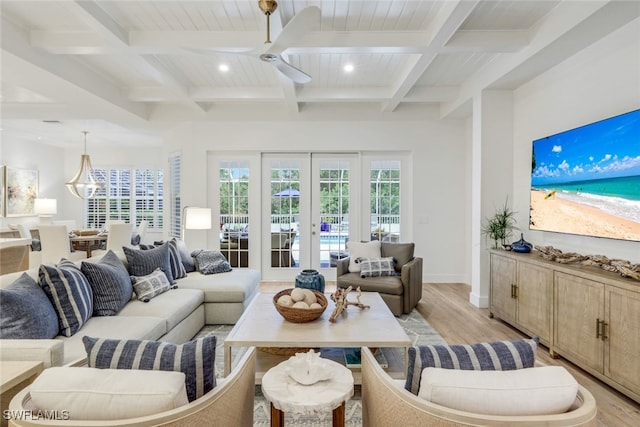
[(262, 326)]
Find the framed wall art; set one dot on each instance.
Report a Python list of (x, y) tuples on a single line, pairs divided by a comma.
[(21, 189)]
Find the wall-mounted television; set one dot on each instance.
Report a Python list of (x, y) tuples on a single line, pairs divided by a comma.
[(586, 180)]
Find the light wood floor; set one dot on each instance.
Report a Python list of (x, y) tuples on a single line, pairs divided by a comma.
[(447, 308)]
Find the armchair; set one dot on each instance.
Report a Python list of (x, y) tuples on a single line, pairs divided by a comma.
[(401, 292)]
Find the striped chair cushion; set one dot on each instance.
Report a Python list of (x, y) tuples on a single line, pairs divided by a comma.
[(496, 356), (195, 359), (69, 292), (143, 262), (151, 285), (376, 267), (110, 283)]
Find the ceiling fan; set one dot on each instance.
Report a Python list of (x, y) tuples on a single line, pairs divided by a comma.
[(296, 28)]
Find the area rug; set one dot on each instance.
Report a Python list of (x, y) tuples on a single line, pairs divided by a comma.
[(416, 327)]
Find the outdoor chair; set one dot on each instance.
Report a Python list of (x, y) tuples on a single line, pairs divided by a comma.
[(401, 291)]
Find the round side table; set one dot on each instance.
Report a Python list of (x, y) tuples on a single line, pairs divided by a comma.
[(287, 395)]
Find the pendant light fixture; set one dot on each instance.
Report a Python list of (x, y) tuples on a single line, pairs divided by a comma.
[(83, 185)]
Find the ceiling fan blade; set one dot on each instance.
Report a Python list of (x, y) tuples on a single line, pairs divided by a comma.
[(288, 70), (298, 26)]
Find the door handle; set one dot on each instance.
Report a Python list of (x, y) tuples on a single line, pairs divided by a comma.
[(601, 329)]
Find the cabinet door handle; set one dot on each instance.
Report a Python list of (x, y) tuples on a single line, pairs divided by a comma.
[(515, 291), (601, 329)]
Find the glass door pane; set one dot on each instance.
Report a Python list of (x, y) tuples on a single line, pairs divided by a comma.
[(284, 224), (332, 206), (234, 212)]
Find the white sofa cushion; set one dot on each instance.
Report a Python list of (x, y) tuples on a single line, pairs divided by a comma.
[(234, 286), (108, 394), (121, 327), (529, 391), (174, 306)]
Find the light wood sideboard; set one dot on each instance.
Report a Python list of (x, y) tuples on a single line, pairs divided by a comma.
[(585, 314)]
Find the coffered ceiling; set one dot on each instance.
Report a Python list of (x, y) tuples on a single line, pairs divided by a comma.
[(132, 68)]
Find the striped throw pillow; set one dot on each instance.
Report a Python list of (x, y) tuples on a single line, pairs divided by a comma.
[(110, 283), (69, 292), (195, 359), (493, 356), (177, 268)]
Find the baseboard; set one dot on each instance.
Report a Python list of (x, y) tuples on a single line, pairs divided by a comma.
[(480, 301)]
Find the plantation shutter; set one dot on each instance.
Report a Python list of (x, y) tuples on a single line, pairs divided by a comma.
[(175, 204)]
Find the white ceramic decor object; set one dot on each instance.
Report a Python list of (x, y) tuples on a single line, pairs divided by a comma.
[(308, 368)]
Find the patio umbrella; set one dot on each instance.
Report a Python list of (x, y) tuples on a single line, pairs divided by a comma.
[(288, 192)]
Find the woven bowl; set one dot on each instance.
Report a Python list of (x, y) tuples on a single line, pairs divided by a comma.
[(300, 315)]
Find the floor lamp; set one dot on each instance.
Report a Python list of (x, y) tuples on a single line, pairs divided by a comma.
[(196, 219)]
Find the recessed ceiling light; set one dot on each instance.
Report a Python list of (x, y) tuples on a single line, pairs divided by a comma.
[(348, 68), (223, 68)]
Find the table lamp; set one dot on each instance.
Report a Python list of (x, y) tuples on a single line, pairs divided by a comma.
[(45, 209)]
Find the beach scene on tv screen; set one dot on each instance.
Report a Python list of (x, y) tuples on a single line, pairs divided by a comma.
[(587, 180)]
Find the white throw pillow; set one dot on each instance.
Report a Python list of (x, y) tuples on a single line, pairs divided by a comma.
[(362, 250), (530, 391), (108, 394)]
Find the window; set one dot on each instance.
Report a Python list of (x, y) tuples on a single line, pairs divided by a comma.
[(175, 203), (385, 200), (130, 195)]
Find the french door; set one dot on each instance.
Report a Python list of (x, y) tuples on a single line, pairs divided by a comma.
[(308, 200)]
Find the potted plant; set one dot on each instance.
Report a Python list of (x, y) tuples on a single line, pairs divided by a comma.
[(499, 226)]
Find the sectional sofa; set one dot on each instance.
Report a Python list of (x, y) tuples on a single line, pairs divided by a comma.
[(173, 316)]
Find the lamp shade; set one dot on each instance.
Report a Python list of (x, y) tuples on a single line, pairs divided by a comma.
[(45, 206), (197, 218)]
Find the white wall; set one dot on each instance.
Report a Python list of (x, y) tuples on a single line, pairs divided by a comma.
[(48, 161), (438, 151), (599, 82)]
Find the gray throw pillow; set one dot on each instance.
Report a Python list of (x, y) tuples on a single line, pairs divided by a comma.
[(185, 255), (26, 311), (70, 294), (151, 285), (110, 283), (376, 267), (143, 262), (195, 359), (401, 252), (493, 356)]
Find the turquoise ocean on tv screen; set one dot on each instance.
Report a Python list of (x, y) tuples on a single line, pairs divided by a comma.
[(618, 196)]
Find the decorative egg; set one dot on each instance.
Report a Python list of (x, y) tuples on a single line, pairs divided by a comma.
[(301, 304), (309, 296), (315, 305), (285, 300), (297, 294)]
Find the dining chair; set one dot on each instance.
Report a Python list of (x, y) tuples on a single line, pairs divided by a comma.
[(55, 243), (35, 255), (142, 230), (119, 236)]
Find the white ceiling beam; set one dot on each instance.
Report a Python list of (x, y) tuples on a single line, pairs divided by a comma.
[(59, 78), (487, 41), (450, 17), (93, 16), (431, 94), (569, 28), (213, 94), (368, 94)]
